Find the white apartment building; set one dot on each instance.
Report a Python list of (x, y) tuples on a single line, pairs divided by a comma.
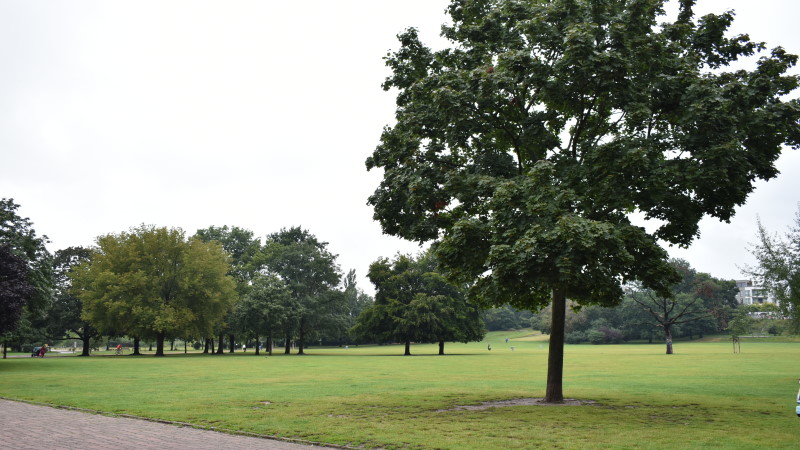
[(750, 293)]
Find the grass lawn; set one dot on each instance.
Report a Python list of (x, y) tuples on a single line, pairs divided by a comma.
[(703, 396)]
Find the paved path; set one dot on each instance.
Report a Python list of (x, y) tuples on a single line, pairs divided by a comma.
[(26, 426)]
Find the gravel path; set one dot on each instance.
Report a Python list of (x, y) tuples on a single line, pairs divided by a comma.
[(27, 426)]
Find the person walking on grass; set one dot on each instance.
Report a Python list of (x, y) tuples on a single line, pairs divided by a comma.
[(42, 350)]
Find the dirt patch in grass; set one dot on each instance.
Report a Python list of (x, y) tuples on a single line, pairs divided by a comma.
[(520, 402)]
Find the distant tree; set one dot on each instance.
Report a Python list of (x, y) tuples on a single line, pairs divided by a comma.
[(523, 149), (263, 308), (355, 301), (15, 290), (719, 296), (778, 268), (242, 247), (505, 318), (310, 272), (64, 314), (670, 310), (154, 283), (740, 325), (415, 303)]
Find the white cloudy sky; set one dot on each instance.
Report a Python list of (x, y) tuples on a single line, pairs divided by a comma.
[(255, 114)]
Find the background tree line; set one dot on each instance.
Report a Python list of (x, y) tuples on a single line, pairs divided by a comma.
[(220, 286), (224, 286)]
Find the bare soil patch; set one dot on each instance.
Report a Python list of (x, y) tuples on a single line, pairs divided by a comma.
[(520, 402)]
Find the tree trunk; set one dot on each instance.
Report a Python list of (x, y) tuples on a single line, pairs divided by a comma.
[(136, 343), (221, 347), (668, 338), (160, 344), (5, 349), (269, 342), (441, 347), (185, 350), (555, 357), (408, 349), (301, 340), (172, 345), (232, 342), (86, 338), (206, 344), (288, 345)]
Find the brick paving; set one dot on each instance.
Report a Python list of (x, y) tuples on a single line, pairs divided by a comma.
[(27, 426)]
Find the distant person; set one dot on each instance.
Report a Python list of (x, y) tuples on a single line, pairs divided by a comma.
[(42, 350), (506, 340), (489, 347), (244, 348)]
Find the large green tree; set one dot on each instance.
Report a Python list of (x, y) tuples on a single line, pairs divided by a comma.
[(778, 267), (523, 150), (154, 283), (310, 272)]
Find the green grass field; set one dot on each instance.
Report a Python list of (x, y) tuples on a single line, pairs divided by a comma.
[(704, 396)]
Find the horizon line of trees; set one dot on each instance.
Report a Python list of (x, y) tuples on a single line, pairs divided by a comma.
[(222, 288)]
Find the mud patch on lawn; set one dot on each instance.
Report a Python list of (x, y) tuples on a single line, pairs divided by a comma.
[(520, 402)]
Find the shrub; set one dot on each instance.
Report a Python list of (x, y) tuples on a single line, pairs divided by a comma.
[(596, 336), (575, 337)]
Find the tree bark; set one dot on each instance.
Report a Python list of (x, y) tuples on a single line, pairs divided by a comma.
[(301, 339), (555, 357), (206, 344), (441, 347), (136, 342), (269, 342), (86, 338), (408, 349), (257, 349), (160, 344), (288, 345), (668, 338), (221, 347), (231, 342)]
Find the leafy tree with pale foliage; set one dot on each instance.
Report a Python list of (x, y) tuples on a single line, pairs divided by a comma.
[(779, 268), (154, 283), (522, 150)]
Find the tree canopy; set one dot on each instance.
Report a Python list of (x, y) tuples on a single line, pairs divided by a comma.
[(310, 272), (523, 150), (15, 288), (153, 282), (64, 313), (18, 234), (415, 303)]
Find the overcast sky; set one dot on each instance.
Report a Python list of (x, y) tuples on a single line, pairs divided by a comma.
[(252, 114)]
